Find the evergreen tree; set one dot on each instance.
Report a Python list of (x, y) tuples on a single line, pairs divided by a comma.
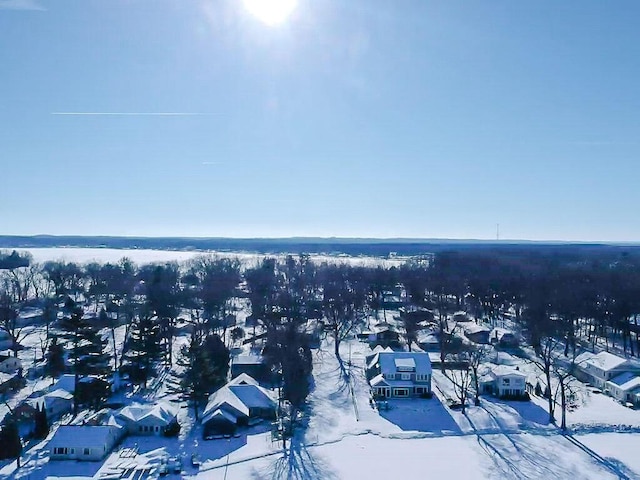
[(203, 371), (10, 441), (143, 348), (55, 359), (42, 422), (87, 355)]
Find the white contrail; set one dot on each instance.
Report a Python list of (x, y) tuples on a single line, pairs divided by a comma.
[(133, 114)]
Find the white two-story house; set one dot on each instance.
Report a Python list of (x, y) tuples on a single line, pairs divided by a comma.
[(600, 368), (399, 374), (503, 381)]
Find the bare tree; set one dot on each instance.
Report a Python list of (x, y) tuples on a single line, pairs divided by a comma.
[(549, 351), (460, 376), (477, 355)]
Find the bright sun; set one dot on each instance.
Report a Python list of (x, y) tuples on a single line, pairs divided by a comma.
[(271, 12)]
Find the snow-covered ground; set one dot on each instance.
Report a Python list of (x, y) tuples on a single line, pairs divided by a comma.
[(345, 437), (142, 256)]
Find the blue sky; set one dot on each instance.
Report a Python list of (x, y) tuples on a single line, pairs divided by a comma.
[(370, 118)]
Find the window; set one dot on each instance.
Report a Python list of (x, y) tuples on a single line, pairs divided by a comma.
[(87, 451), (406, 376), (506, 381), (157, 429)]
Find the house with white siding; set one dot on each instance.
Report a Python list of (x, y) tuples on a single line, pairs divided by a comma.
[(399, 374), (503, 381), (156, 419), (624, 387), (598, 369), (84, 442)]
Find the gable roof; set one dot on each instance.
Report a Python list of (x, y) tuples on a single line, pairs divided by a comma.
[(244, 379), (388, 362), (606, 361), (90, 436), (220, 415), (158, 413), (239, 399)]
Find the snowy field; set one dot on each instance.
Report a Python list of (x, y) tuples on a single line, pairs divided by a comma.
[(84, 255)]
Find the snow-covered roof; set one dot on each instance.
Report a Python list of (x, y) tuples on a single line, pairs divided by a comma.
[(158, 413), (474, 328), (503, 370), (239, 398), (626, 381), (405, 364), (221, 414), (84, 435), (244, 379), (378, 381), (6, 377), (66, 382), (388, 362), (427, 337), (49, 398), (247, 360), (606, 361)]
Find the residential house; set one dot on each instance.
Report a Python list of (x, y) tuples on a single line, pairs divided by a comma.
[(429, 341), (399, 374), (156, 419), (624, 387), (55, 403), (383, 334), (504, 338), (476, 333), (503, 381), (9, 364), (84, 442), (9, 382), (598, 369), (252, 365), (461, 317), (241, 402)]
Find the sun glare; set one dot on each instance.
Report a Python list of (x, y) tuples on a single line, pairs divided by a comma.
[(271, 12)]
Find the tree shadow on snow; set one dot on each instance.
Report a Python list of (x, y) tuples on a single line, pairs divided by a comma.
[(529, 412), (421, 415), (297, 464)]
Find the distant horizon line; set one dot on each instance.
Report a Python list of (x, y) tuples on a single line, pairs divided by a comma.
[(312, 238)]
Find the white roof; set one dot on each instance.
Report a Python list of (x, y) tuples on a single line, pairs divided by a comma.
[(606, 361), (158, 413), (504, 370), (405, 364), (626, 381), (239, 398), (378, 380), (85, 435), (475, 328), (221, 413), (244, 379)]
